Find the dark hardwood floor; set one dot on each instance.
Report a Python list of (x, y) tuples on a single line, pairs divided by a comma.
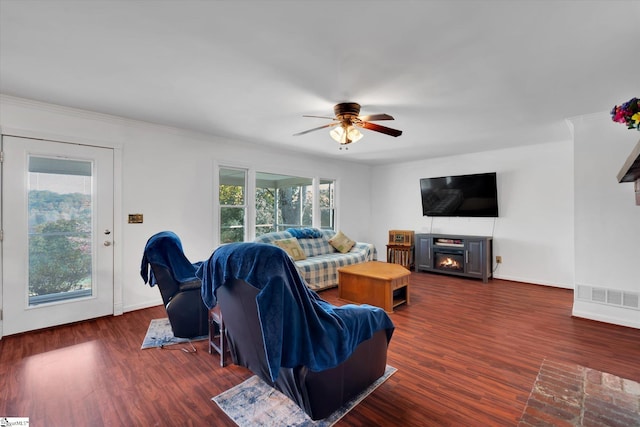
[(467, 354)]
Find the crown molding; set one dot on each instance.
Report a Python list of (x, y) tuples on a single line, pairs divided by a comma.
[(60, 109), (102, 117)]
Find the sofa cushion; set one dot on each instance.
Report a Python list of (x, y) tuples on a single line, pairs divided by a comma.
[(341, 242), (315, 247), (321, 272), (292, 248), (273, 236)]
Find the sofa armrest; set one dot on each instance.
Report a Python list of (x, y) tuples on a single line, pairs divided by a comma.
[(368, 249)]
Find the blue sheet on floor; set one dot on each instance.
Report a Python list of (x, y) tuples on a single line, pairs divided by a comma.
[(299, 327)]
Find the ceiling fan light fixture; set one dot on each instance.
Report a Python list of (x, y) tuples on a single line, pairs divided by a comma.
[(347, 120), (345, 134), (353, 134)]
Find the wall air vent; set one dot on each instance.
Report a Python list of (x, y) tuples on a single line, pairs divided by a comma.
[(598, 295), (583, 292), (612, 297), (630, 300)]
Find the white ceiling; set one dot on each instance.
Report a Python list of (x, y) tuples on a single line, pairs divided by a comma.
[(458, 76)]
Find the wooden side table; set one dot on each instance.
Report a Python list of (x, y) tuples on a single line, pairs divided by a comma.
[(382, 284), (400, 248)]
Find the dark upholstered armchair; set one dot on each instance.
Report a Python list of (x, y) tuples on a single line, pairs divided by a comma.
[(317, 354), (165, 264)]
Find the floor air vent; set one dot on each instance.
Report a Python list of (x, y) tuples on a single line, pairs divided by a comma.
[(608, 296)]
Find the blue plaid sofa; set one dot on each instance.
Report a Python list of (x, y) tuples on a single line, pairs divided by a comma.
[(320, 269)]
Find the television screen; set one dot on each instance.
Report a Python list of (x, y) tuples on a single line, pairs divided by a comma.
[(462, 195)]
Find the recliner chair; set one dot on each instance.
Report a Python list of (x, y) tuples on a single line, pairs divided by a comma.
[(320, 393), (165, 264), (317, 354)]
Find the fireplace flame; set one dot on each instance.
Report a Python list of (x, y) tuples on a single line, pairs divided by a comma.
[(449, 263)]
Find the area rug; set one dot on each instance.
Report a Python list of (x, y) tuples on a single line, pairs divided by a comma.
[(573, 395), (159, 334), (253, 403)]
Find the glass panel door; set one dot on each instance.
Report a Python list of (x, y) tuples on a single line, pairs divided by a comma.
[(57, 217), (60, 209)]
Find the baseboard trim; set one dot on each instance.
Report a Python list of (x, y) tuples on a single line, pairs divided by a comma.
[(599, 317), (141, 306), (533, 282)]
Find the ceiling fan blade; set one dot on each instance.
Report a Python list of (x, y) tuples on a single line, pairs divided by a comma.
[(320, 117), (314, 129), (382, 129), (375, 117)]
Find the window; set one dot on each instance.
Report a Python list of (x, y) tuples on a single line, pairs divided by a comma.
[(275, 201), (233, 208), (327, 204), (283, 201)]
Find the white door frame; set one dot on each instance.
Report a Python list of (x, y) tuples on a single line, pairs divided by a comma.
[(118, 305)]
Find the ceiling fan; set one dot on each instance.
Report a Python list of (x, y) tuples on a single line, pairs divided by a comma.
[(347, 121)]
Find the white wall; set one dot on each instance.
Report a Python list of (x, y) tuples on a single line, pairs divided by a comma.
[(167, 175), (607, 221), (543, 236), (534, 230)]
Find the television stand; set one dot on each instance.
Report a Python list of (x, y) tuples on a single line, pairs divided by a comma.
[(467, 256)]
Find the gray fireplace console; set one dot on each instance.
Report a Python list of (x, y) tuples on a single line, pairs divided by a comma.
[(468, 256)]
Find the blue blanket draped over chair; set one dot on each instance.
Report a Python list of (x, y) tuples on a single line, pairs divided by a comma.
[(165, 249), (299, 327)]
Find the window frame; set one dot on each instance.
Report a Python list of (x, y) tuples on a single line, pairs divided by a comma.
[(250, 202), (219, 206), (332, 206)]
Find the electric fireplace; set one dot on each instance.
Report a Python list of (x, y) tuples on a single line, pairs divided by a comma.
[(467, 256), (446, 259)]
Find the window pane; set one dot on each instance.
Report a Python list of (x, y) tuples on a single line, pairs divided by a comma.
[(60, 224), (327, 220), (327, 208), (265, 211), (232, 187), (282, 202), (232, 192), (231, 225)]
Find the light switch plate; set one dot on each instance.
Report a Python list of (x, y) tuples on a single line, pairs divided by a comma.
[(135, 218)]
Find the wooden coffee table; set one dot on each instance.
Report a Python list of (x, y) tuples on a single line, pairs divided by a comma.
[(382, 284)]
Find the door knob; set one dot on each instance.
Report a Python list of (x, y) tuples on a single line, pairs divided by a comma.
[(107, 243)]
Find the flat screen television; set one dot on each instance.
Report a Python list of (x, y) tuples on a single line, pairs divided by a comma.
[(462, 195)]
